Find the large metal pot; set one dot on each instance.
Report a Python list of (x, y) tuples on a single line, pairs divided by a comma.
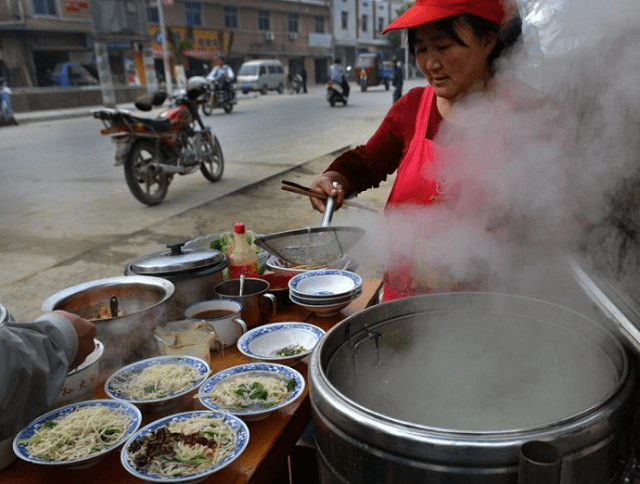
[(194, 273), (142, 305), (448, 387), (5, 317)]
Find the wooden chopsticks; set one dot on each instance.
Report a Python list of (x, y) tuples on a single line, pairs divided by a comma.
[(302, 190)]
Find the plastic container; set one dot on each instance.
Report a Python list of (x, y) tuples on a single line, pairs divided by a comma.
[(243, 258)]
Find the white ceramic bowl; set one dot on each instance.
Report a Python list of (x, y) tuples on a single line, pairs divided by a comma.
[(125, 373), (81, 383), (284, 343), (21, 448), (275, 264), (329, 301), (262, 369), (238, 426), (325, 310), (325, 283)]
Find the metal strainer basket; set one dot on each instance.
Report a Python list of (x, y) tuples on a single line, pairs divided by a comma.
[(312, 246)]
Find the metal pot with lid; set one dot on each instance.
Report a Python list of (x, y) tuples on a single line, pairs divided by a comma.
[(449, 387), (194, 273)]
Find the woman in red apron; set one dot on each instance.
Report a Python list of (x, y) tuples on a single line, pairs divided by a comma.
[(455, 43)]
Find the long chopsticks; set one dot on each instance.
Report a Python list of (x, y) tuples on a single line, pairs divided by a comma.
[(302, 190)]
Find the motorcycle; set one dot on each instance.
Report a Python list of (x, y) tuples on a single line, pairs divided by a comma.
[(296, 84), (335, 94), (153, 150), (215, 95)]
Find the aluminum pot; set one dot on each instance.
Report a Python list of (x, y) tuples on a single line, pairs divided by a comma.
[(5, 317), (194, 273), (447, 388), (142, 305)]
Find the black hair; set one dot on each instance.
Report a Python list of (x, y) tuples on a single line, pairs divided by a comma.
[(506, 36), (337, 60)]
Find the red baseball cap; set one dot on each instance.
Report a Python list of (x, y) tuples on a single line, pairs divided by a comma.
[(425, 11)]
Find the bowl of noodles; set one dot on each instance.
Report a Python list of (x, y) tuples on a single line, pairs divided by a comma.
[(252, 391), (157, 382), (194, 445), (77, 435)]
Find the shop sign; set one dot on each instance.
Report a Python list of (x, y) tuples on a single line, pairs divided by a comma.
[(74, 6)]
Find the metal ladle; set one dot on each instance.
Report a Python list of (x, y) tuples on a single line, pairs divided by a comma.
[(241, 285)]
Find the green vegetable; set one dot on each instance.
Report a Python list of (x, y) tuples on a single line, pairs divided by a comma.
[(291, 384), (48, 425), (150, 389)]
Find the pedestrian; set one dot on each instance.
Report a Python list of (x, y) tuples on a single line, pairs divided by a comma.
[(397, 80), (303, 75), (35, 359), (456, 45)]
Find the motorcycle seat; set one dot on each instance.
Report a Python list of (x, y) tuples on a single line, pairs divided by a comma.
[(156, 124)]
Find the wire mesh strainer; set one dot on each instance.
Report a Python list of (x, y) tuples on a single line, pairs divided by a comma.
[(312, 246)]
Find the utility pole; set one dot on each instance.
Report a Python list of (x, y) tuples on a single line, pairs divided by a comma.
[(165, 52)]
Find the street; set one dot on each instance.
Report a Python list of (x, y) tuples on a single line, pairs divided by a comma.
[(62, 196)]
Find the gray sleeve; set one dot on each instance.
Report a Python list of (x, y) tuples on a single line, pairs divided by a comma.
[(34, 361)]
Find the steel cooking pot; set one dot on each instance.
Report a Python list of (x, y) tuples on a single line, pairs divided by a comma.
[(448, 387), (143, 303), (194, 273)]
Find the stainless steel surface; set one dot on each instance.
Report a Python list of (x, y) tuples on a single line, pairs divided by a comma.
[(258, 305), (360, 444), (144, 301), (540, 463), (194, 273)]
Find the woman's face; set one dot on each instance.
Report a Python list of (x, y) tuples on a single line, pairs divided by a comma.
[(451, 68)]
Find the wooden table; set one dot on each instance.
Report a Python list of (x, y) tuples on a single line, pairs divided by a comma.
[(271, 439)]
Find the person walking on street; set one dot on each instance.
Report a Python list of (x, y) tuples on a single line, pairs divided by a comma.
[(397, 80), (303, 74)]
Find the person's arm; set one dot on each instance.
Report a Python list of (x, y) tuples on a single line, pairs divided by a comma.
[(367, 166), (35, 358)]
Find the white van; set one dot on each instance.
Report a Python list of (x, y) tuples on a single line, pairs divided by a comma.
[(261, 75)]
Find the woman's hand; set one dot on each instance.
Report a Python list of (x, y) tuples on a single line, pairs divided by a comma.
[(324, 183), (86, 331)]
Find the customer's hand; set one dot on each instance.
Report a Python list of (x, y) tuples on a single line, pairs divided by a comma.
[(324, 183), (86, 331)]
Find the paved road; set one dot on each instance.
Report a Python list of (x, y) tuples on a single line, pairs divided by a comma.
[(67, 216)]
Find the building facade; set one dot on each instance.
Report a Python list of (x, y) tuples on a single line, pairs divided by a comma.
[(36, 36)]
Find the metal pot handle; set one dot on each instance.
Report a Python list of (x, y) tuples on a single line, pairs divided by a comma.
[(540, 463), (274, 304)]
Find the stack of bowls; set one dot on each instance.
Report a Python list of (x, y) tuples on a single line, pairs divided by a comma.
[(325, 291)]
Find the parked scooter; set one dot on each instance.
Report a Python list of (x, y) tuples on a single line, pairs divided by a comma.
[(335, 94), (153, 150), (216, 95)]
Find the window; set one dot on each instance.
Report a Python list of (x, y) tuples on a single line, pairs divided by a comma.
[(231, 17), (380, 24), (272, 69), (320, 25), (344, 20), (192, 13), (44, 7), (152, 14), (293, 22), (365, 19), (263, 20)]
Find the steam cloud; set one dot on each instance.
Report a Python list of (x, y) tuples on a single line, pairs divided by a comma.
[(545, 169)]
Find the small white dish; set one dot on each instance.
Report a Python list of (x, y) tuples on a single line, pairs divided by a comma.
[(325, 282), (260, 370), (126, 373), (234, 423), (21, 446), (327, 301), (284, 343), (322, 311)]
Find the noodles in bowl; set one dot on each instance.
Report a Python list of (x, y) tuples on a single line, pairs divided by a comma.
[(158, 380), (185, 447), (252, 391), (77, 435)]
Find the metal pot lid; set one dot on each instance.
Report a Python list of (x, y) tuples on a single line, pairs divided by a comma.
[(177, 260), (616, 302)]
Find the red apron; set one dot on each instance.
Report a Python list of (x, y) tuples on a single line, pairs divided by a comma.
[(420, 181)]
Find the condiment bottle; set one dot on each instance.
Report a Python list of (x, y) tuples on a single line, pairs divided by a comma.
[(243, 258)]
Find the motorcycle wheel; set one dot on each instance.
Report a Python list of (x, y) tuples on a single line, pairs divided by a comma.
[(332, 102), (228, 108), (207, 108), (213, 164), (147, 183)]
